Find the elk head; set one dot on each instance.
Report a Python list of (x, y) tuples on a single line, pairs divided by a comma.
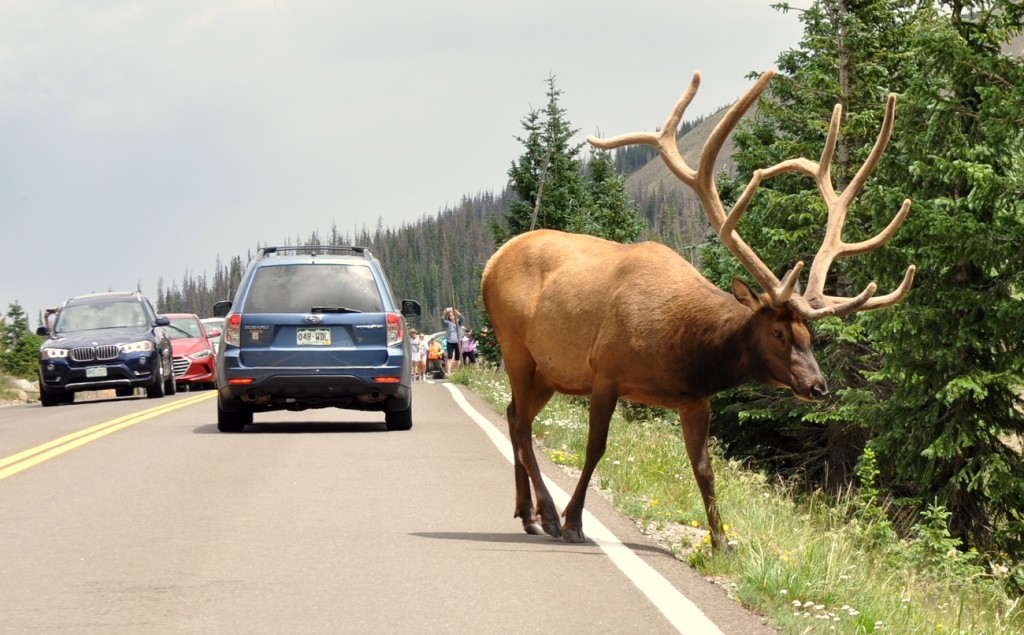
[(780, 346)]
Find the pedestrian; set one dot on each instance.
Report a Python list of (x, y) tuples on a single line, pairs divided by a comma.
[(452, 321), (418, 346), (436, 357), (468, 348)]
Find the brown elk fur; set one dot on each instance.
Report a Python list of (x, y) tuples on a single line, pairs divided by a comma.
[(580, 315)]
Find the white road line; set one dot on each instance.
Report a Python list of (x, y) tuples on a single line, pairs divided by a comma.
[(676, 607)]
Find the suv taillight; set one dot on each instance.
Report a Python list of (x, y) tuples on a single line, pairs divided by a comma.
[(396, 329), (233, 330)]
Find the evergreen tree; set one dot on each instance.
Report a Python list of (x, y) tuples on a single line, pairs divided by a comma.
[(556, 189), (949, 386), (547, 178), (19, 347), (932, 384), (614, 216), (786, 221)]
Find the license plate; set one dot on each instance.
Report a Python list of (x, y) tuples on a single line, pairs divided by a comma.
[(313, 337), (96, 371)]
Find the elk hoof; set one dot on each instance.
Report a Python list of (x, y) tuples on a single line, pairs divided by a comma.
[(573, 535), (553, 530), (533, 529)]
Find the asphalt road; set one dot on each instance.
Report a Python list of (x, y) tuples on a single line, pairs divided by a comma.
[(136, 516)]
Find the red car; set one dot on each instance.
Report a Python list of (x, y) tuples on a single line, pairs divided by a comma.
[(194, 357)]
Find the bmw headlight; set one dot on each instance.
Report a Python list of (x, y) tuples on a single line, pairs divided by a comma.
[(54, 353), (137, 347)]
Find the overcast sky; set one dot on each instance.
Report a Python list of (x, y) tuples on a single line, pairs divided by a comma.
[(144, 139)]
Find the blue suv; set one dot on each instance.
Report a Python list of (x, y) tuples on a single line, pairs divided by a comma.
[(105, 341), (314, 327)]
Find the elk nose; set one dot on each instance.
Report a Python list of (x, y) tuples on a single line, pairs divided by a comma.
[(819, 390)]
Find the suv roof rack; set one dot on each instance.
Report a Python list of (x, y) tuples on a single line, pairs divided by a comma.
[(314, 250)]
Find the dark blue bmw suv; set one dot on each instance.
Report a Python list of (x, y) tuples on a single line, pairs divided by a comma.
[(314, 327), (105, 341)]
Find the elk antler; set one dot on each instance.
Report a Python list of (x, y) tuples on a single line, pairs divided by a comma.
[(813, 304)]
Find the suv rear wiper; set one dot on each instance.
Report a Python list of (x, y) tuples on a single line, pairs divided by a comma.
[(333, 309)]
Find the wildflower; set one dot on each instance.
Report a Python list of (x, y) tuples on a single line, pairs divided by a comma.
[(616, 463), (694, 523), (797, 603), (783, 591)]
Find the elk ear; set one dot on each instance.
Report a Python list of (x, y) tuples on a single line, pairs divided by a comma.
[(746, 296)]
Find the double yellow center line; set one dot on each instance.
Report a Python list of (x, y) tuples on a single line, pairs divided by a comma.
[(15, 463)]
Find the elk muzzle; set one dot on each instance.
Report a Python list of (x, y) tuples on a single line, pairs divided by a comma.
[(808, 383)]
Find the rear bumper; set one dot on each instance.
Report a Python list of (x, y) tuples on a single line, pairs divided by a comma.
[(301, 391)]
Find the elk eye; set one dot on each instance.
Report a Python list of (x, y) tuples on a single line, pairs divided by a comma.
[(778, 334)]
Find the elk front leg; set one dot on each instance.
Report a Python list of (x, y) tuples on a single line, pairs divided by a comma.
[(602, 405), (696, 422)]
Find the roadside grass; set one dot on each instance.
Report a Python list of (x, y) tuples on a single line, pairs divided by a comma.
[(811, 564)]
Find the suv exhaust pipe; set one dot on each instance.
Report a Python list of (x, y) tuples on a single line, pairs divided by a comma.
[(252, 396)]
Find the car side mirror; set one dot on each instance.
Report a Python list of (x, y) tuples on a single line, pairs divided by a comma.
[(163, 320), (42, 330), (222, 308), (411, 308), (213, 333)]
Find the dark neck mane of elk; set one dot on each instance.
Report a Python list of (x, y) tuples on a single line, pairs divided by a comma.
[(581, 315)]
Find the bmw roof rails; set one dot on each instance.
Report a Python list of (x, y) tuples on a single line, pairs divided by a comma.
[(313, 250)]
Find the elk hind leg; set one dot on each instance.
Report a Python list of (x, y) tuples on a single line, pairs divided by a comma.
[(602, 405), (696, 423)]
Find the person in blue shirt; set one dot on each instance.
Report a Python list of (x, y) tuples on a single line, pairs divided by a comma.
[(452, 321)]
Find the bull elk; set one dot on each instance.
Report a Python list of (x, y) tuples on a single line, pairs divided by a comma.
[(585, 316)]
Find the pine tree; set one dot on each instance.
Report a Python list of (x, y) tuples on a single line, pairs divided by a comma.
[(547, 178), (953, 361), (852, 53), (556, 189), (933, 383), (19, 347), (614, 216)]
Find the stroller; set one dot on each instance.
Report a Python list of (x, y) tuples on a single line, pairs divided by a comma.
[(436, 362)]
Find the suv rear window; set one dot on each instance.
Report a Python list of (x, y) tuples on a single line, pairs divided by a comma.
[(301, 288)]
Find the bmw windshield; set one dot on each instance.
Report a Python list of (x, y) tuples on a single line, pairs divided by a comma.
[(89, 317)]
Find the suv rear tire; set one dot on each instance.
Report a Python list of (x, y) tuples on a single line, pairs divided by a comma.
[(399, 419), (232, 421)]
